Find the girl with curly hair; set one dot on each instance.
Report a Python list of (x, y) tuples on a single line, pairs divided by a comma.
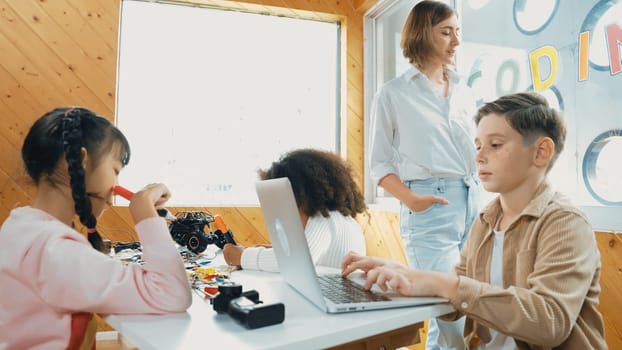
[(328, 200)]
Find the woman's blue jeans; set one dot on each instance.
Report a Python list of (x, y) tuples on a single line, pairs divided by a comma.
[(434, 237)]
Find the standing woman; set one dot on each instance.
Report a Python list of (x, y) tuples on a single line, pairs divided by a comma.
[(422, 150)]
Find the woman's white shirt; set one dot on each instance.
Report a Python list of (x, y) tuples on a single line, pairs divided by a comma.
[(417, 133)]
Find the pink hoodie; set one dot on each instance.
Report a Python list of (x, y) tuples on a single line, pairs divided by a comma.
[(48, 271)]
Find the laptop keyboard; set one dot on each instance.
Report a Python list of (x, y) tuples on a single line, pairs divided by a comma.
[(342, 290)]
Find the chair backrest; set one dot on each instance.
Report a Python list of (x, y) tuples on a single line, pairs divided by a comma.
[(382, 235), (610, 246)]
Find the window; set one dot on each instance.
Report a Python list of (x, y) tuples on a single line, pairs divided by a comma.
[(568, 51), (208, 96)]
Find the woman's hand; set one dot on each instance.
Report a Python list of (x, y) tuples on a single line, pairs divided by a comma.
[(418, 203), (412, 200), (144, 202)]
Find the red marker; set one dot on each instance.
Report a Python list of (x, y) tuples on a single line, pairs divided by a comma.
[(127, 194), (123, 192)]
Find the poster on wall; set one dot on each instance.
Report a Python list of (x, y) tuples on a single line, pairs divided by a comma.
[(570, 52)]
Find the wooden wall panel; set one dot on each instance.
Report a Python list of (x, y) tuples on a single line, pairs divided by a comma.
[(82, 55), (53, 67), (64, 52), (381, 229)]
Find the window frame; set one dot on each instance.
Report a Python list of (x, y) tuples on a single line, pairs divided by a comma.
[(337, 123), (604, 217)]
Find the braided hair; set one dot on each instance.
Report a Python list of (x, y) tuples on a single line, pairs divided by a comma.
[(321, 180), (62, 133)]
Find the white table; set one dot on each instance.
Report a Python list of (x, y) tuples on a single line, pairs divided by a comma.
[(305, 326)]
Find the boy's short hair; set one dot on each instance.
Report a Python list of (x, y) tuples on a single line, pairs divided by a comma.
[(531, 116)]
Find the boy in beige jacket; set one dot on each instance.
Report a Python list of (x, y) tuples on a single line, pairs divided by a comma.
[(529, 273)]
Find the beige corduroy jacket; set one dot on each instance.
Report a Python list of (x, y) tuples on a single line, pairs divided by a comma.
[(551, 270)]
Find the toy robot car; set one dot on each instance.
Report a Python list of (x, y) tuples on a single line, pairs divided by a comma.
[(188, 229)]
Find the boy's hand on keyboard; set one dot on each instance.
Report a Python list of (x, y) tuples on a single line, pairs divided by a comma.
[(353, 261), (389, 274), (410, 282)]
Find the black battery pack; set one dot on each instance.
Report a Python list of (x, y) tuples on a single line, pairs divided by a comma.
[(256, 315)]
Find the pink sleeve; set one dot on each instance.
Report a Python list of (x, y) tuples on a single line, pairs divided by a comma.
[(76, 277)]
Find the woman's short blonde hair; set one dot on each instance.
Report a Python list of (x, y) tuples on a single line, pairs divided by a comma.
[(417, 41)]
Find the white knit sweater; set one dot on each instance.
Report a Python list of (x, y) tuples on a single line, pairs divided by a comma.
[(329, 240)]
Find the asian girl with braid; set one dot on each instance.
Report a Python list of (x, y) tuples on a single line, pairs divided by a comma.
[(53, 279)]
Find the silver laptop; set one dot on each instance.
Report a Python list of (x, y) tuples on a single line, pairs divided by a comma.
[(323, 287)]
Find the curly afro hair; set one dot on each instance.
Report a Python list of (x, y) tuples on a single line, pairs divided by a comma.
[(322, 181)]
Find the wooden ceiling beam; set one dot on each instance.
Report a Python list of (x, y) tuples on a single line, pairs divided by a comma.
[(362, 6)]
